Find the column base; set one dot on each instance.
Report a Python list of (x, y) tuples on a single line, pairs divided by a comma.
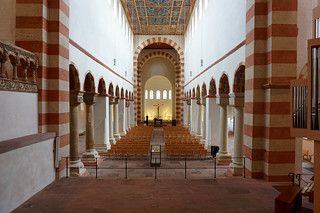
[(203, 141), (224, 158), (237, 168), (123, 133), (208, 145), (112, 141), (199, 136), (90, 155), (77, 168), (102, 149), (117, 136)]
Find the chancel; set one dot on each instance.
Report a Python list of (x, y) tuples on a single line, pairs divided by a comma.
[(159, 106)]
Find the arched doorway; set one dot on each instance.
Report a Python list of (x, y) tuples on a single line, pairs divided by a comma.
[(158, 98), (165, 48)]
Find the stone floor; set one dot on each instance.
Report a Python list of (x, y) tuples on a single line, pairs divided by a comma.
[(163, 190), (170, 168), (101, 195)]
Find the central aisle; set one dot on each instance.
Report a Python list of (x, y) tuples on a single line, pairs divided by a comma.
[(158, 136)]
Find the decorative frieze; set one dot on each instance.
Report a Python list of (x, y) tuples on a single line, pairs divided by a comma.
[(18, 86), (28, 62)]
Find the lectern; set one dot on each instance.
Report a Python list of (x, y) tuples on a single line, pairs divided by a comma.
[(155, 159)]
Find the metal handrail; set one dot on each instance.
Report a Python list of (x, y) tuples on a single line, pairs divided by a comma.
[(155, 168)]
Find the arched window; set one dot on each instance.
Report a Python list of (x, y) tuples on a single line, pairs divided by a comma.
[(170, 94), (151, 94), (146, 94), (164, 94), (158, 95)]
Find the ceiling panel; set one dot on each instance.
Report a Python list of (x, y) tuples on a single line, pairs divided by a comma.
[(160, 17)]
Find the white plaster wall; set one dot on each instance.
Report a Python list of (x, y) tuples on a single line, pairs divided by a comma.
[(31, 169), (8, 20), (104, 32), (220, 28), (18, 114)]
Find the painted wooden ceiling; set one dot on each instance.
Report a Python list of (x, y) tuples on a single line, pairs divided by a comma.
[(158, 17)]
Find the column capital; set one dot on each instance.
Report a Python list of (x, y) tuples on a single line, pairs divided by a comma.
[(76, 98), (89, 98), (236, 99), (113, 100), (127, 103), (222, 100), (210, 96)]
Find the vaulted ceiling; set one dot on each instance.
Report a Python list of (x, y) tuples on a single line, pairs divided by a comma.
[(158, 17)]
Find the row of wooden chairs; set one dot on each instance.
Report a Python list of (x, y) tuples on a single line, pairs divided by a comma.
[(135, 143), (181, 144)]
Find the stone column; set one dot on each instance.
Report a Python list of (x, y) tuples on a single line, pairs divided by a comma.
[(127, 115), (185, 118), (212, 120), (199, 118), (189, 114), (76, 166), (101, 123), (204, 122), (116, 133), (111, 118), (132, 119), (237, 161), (193, 116), (223, 126), (122, 117), (90, 153)]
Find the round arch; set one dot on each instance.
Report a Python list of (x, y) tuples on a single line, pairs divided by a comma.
[(89, 85), (74, 78), (179, 81), (239, 80), (117, 94), (224, 88), (212, 88), (111, 90), (204, 90), (102, 87)]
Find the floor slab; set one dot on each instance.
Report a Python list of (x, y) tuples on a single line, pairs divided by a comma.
[(103, 195)]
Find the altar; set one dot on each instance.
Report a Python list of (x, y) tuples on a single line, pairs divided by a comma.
[(158, 122)]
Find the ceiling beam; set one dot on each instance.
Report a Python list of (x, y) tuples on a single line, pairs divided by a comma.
[(135, 6), (125, 8), (171, 11), (145, 9), (182, 5)]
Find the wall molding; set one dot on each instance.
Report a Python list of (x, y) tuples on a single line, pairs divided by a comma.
[(17, 143), (87, 53), (218, 61)]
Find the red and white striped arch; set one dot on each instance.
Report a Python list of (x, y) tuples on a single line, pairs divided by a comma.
[(179, 79)]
